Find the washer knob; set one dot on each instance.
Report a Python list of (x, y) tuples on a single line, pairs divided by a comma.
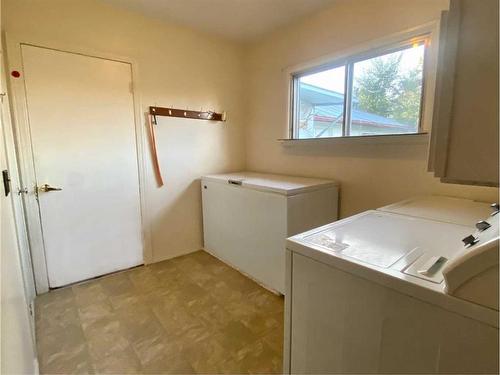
[(470, 240), (482, 225), (496, 208)]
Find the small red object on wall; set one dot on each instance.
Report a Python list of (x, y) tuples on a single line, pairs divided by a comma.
[(15, 74)]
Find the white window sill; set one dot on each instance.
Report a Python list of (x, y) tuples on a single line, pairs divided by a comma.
[(404, 139)]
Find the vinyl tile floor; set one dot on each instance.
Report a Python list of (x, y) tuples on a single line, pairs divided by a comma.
[(191, 314)]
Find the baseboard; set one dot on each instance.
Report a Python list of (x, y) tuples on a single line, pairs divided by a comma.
[(36, 367)]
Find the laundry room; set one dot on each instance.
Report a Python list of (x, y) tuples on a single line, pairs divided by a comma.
[(249, 186)]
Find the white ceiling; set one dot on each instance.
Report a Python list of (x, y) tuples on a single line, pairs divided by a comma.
[(241, 20)]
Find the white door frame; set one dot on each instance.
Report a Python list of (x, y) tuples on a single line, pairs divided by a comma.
[(17, 205), (25, 152)]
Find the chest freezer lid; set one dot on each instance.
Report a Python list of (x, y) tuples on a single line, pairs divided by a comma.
[(441, 208), (280, 184)]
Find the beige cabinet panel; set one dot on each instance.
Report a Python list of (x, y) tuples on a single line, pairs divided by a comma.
[(464, 146)]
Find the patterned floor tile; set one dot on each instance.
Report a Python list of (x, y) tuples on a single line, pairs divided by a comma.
[(191, 314)]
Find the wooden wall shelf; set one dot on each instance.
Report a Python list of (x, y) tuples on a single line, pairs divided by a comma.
[(184, 113)]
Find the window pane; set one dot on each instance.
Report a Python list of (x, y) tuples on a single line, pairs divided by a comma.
[(321, 104), (387, 93)]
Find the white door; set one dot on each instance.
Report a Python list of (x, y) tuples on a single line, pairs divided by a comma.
[(81, 117)]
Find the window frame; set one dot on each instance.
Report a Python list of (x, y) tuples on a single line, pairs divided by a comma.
[(348, 62)]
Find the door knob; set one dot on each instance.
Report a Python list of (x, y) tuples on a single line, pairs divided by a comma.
[(47, 188)]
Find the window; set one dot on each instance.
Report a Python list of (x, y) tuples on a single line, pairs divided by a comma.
[(376, 93)]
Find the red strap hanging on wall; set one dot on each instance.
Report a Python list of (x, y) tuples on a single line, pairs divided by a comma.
[(154, 152)]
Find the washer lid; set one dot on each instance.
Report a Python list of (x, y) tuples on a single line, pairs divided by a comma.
[(447, 209), (381, 239), (285, 185)]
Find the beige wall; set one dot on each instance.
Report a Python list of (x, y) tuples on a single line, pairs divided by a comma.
[(371, 175), (176, 66), (183, 68)]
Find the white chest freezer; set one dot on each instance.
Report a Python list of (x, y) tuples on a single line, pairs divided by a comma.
[(248, 216)]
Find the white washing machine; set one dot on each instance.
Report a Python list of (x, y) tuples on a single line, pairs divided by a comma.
[(408, 288)]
